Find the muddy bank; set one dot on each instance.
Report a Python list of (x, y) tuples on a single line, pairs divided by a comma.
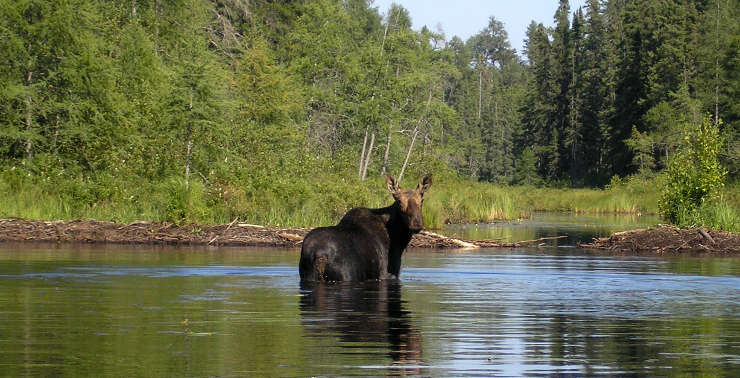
[(232, 234), (665, 239), (659, 240)]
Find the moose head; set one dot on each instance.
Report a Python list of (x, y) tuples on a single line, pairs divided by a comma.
[(409, 202)]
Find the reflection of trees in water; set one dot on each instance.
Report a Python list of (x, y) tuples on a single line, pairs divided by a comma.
[(366, 313), (693, 346)]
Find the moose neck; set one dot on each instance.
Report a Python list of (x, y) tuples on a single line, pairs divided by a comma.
[(399, 234)]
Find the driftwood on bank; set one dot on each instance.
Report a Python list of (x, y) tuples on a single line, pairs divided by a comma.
[(659, 240), (666, 239), (232, 234), (91, 231)]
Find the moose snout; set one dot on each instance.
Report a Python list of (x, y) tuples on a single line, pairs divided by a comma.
[(416, 224)]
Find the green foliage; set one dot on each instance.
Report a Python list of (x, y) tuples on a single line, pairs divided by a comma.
[(526, 173), (695, 176), (718, 215), (205, 111)]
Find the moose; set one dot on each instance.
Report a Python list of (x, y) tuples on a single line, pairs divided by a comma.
[(366, 244)]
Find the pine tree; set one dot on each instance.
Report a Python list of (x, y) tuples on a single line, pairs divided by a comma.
[(562, 69), (719, 68), (539, 129)]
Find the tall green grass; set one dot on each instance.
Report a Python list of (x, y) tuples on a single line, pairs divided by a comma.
[(717, 214), (463, 201), (316, 201), (273, 202)]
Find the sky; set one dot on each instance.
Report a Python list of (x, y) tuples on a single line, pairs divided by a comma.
[(465, 18)]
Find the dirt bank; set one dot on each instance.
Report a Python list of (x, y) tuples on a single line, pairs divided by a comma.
[(670, 240), (233, 234), (660, 240)]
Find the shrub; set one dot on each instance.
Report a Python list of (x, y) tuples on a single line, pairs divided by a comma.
[(694, 175)]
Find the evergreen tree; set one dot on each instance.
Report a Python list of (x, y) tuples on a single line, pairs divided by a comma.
[(718, 70), (595, 83), (562, 70), (539, 128)]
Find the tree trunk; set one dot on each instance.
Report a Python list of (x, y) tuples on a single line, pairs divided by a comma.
[(29, 118), (156, 27), (189, 143), (424, 144), (716, 72), (408, 153), (387, 150), (385, 35), (413, 138), (480, 92), (362, 154), (367, 158), (502, 166), (187, 159), (56, 136), (29, 143)]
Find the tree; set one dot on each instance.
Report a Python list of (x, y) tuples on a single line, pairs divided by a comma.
[(695, 174), (595, 79), (540, 131), (59, 97), (718, 70)]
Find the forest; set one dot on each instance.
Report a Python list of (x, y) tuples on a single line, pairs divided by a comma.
[(289, 112)]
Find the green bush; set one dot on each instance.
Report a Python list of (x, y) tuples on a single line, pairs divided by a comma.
[(694, 176)]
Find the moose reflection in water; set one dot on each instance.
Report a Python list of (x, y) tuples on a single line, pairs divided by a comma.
[(367, 244), (366, 312)]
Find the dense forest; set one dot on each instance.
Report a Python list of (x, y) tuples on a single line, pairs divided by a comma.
[(243, 102)]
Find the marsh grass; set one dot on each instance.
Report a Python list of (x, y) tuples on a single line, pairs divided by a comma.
[(481, 202), (720, 215), (319, 201), (717, 214)]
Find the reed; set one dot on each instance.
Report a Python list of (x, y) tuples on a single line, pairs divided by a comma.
[(320, 201), (718, 215)]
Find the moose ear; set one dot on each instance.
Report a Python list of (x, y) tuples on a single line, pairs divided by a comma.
[(391, 184), (424, 183)]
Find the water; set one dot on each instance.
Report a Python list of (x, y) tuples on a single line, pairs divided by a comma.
[(81, 310), (578, 228)]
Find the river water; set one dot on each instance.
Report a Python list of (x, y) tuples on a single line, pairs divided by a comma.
[(82, 310)]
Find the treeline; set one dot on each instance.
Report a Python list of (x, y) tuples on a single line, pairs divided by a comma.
[(614, 89), (252, 101)]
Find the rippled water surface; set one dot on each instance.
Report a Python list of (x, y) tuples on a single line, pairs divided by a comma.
[(125, 311)]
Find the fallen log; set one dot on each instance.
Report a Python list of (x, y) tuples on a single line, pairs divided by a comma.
[(461, 243), (541, 239)]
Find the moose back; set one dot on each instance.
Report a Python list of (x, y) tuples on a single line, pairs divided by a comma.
[(367, 244)]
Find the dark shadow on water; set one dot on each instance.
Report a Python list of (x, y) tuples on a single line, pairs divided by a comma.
[(367, 315)]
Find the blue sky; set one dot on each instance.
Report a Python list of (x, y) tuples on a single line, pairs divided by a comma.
[(467, 17)]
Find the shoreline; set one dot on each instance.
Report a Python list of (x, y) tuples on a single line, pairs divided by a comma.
[(164, 233), (661, 240)]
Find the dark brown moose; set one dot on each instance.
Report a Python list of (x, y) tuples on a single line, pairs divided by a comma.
[(367, 244)]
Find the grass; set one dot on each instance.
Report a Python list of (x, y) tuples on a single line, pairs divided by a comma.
[(716, 214), (719, 215), (481, 202), (277, 204), (320, 201)]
